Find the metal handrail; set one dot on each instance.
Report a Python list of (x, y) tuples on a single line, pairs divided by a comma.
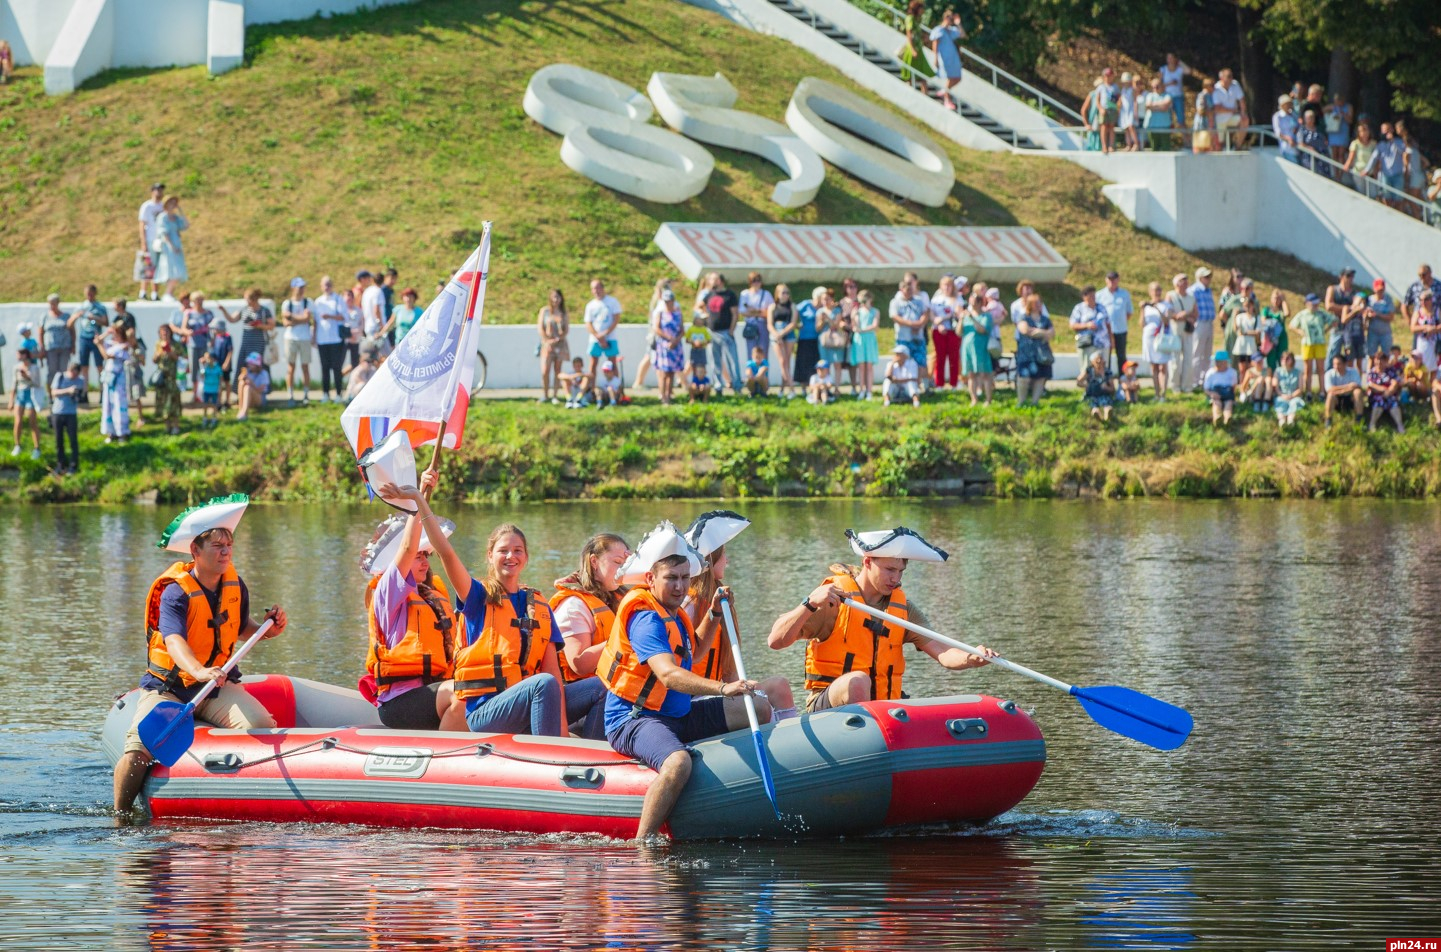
[(898, 19)]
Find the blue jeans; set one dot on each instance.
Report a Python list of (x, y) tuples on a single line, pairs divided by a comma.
[(723, 346), (531, 707), (585, 708)]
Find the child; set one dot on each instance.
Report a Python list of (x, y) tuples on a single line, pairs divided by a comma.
[(697, 384), (697, 338), (1130, 386), (1255, 389), (22, 398), (607, 385), (821, 388), (361, 373), (29, 344), (577, 385), (1416, 380), (222, 348), (757, 374), (209, 391)]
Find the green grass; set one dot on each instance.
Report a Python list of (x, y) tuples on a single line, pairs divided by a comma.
[(388, 137), (518, 451)]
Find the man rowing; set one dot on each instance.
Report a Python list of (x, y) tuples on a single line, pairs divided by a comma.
[(853, 657), (195, 614), (646, 667)]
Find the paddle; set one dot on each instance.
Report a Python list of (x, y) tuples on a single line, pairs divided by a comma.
[(169, 729), (761, 757), (1121, 710)]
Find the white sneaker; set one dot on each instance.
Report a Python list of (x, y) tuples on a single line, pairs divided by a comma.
[(14, 451), (35, 454), (167, 299)]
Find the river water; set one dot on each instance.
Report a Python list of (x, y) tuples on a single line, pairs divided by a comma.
[(1303, 812)]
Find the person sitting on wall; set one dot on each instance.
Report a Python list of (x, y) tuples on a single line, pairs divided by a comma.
[(851, 656)]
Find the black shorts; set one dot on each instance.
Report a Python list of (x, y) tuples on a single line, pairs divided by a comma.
[(412, 711), (653, 738)]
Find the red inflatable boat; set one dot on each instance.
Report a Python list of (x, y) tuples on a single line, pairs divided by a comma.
[(855, 769)]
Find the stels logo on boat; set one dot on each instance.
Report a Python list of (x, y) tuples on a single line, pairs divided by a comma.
[(429, 351), (408, 762)]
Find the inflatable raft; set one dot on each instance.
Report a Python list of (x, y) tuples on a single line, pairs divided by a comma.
[(856, 769)]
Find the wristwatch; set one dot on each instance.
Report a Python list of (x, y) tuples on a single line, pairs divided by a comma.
[(806, 604)]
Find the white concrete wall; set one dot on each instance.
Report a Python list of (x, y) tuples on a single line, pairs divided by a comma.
[(77, 39)]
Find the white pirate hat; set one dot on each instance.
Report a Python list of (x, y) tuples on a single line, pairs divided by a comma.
[(661, 542), (222, 512), (380, 551), (392, 460), (897, 543), (713, 529)]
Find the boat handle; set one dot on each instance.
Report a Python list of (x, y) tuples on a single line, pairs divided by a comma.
[(583, 776), (220, 763), (963, 727)]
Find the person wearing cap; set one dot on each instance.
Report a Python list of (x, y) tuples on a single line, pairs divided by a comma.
[(150, 211), (584, 606), (1344, 390), (1219, 386), (1380, 312), (821, 388), (602, 316), (608, 385), (853, 657), (412, 622), (253, 385), (902, 379), (1203, 338), (1284, 124), (1115, 302), (1128, 387), (297, 316), (196, 615), (647, 666), (1313, 323)]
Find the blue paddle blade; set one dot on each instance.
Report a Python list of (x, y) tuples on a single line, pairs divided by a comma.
[(765, 765), (1136, 715), (168, 731)]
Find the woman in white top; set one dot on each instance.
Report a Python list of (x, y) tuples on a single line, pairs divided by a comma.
[(947, 309), (1248, 336), (1154, 315), (114, 394)]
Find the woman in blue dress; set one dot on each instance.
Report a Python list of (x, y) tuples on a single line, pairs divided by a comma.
[(976, 367), (171, 269), (1034, 359)]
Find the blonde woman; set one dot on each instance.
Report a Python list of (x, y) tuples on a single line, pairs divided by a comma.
[(584, 606), (647, 359), (865, 352)]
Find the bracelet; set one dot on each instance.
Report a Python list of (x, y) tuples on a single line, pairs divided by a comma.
[(806, 604), (715, 613)]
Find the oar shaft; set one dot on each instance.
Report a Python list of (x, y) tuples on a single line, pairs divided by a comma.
[(937, 636), (234, 660), (735, 643)]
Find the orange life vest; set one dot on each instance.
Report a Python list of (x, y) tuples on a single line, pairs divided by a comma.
[(507, 650), (426, 651), (211, 639), (859, 642), (604, 617), (626, 675)]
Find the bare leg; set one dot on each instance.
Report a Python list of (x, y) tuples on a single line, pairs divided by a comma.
[(736, 717), (130, 771), (664, 791), (852, 688)]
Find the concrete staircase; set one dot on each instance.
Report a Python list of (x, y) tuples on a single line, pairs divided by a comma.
[(893, 66)]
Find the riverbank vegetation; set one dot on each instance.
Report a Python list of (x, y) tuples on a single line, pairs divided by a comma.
[(387, 138), (517, 451)]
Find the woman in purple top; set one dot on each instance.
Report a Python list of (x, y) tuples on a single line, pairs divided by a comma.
[(411, 614)]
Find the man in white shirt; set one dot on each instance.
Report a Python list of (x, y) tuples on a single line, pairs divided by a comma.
[(1171, 75), (150, 212), (1230, 105), (1115, 302), (903, 378), (602, 315), (372, 309), (1182, 306), (331, 335)]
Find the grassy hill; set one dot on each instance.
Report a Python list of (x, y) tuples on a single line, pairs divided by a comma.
[(386, 138)]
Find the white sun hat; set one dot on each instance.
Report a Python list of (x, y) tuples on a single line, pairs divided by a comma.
[(381, 550), (222, 512), (897, 543), (713, 529), (661, 542), (392, 460)]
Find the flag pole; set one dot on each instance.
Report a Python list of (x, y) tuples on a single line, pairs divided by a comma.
[(482, 254)]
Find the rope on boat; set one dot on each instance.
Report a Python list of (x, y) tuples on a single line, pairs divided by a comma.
[(481, 749)]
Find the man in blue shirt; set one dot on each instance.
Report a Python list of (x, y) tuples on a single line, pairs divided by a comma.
[(1388, 162), (646, 667), (1203, 337), (1115, 301), (92, 317)]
